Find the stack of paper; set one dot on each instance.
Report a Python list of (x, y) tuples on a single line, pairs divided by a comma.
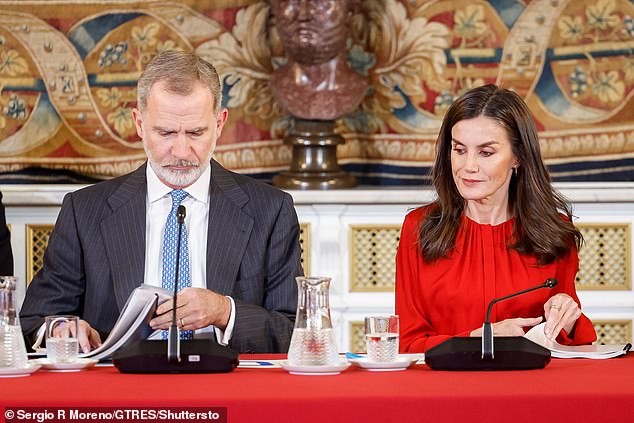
[(537, 335)]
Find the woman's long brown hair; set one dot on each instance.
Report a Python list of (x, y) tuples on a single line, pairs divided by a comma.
[(539, 228)]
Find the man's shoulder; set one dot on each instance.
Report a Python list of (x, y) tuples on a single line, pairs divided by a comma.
[(257, 185), (252, 187), (102, 190)]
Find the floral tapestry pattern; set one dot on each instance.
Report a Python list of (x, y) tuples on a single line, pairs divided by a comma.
[(68, 71)]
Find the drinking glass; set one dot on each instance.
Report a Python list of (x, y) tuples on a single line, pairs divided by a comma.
[(381, 338), (62, 345)]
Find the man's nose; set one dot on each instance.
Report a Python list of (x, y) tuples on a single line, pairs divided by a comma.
[(180, 146)]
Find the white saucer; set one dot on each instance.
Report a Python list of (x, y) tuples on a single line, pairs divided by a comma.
[(75, 366), (315, 370), (401, 363), (19, 372)]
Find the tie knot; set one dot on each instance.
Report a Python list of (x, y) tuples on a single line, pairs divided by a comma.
[(178, 195)]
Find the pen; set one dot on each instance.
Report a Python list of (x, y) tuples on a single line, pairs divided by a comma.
[(350, 355), (255, 363)]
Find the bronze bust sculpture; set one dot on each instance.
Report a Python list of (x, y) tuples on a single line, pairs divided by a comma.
[(316, 82)]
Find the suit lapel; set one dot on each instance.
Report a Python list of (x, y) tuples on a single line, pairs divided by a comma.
[(228, 231), (124, 234)]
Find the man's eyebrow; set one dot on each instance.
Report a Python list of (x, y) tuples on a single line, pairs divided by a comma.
[(199, 129), (168, 130)]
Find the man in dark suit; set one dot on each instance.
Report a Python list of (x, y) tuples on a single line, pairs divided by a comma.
[(6, 256), (243, 249)]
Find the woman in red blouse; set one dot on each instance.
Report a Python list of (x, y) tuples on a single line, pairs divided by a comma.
[(497, 227)]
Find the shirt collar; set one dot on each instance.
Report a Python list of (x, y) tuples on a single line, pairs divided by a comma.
[(156, 189)]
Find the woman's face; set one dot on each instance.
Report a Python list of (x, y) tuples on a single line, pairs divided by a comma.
[(482, 160)]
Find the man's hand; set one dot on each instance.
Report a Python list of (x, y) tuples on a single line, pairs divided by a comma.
[(510, 327), (87, 337), (196, 308)]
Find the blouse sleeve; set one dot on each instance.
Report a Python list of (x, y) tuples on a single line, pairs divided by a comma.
[(583, 331), (417, 334)]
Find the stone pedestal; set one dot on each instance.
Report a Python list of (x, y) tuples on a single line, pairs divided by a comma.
[(314, 160)]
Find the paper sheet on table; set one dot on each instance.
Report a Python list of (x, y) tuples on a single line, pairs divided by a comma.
[(537, 335)]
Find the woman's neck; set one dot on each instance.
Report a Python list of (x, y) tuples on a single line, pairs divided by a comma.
[(487, 213)]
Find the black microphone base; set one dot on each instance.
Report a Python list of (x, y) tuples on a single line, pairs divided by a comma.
[(197, 356), (465, 353)]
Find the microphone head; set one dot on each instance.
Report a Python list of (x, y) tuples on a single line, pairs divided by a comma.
[(551, 283), (180, 214)]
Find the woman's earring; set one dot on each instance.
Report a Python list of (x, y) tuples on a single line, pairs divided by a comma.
[(515, 171)]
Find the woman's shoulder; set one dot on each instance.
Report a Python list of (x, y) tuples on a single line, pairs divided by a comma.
[(415, 216), (421, 212), (565, 217)]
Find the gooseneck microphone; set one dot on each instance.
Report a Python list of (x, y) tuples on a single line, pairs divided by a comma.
[(487, 330), (173, 334), (471, 353)]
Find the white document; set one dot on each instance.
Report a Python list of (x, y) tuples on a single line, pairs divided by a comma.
[(133, 322), (537, 335)]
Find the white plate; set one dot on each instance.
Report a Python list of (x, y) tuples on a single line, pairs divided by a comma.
[(19, 372), (315, 370), (75, 366), (401, 363)]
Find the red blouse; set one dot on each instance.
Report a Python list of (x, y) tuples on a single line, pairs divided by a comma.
[(449, 297)]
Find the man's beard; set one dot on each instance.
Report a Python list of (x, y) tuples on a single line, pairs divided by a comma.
[(179, 179)]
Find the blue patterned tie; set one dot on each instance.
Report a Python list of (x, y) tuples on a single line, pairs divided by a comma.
[(170, 243)]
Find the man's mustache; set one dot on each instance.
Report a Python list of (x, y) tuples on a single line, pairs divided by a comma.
[(180, 163)]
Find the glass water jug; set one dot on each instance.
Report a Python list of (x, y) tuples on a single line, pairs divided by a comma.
[(12, 347), (313, 342)]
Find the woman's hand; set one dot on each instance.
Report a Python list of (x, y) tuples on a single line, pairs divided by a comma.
[(561, 312), (510, 327)]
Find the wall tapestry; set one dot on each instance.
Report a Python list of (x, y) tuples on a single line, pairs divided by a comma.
[(68, 71)]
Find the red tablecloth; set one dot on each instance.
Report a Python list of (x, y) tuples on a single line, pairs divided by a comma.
[(566, 390)]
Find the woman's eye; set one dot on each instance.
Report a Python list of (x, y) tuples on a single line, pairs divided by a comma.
[(486, 153), (458, 150)]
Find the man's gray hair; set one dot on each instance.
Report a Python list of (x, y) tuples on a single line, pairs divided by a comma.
[(180, 70)]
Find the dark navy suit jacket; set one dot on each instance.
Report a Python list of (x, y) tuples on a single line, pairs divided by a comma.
[(96, 257), (6, 256)]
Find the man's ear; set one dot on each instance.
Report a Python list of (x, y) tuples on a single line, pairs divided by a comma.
[(138, 122), (221, 119)]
